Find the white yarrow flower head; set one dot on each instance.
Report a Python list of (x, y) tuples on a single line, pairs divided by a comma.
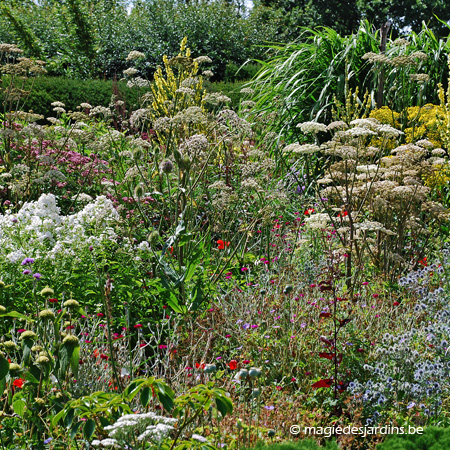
[(133, 55), (312, 127), (199, 438)]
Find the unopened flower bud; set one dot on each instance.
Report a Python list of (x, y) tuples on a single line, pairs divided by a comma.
[(166, 166)]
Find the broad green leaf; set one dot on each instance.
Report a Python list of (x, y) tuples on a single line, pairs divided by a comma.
[(16, 315), (19, 407), (75, 360), (145, 396), (69, 418), (74, 429), (89, 428), (224, 405), (58, 416), (4, 367)]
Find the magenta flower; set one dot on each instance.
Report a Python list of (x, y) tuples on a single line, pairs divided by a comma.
[(37, 275), (27, 261)]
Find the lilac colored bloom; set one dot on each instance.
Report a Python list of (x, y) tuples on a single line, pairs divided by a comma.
[(27, 261), (270, 408), (303, 325), (411, 405), (47, 441), (26, 272), (37, 275), (246, 326)]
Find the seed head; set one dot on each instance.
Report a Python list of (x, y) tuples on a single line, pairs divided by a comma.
[(13, 368), (70, 341), (28, 335), (166, 166), (47, 292), (71, 304), (47, 314)]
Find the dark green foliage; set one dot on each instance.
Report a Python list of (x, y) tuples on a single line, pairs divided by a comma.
[(72, 92), (307, 444), (344, 16), (433, 438), (93, 39)]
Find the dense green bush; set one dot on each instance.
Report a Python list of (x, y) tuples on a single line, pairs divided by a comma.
[(307, 444), (93, 39), (73, 92), (433, 438)]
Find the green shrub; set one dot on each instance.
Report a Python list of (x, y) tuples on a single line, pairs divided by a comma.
[(307, 444), (433, 438), (73, 92)]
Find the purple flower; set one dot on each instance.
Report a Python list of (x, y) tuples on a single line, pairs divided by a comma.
[(270, 408), (26, 272), (27, 261), (246, 326), (37, 275), (47, 441)]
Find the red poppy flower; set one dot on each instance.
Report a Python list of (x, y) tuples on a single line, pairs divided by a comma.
[(18, 382), (423, 262), (233, 364), (200, 366), (309, 211), (53, 300), (138, 325), (222, 244), (246, 361), (103, 356)]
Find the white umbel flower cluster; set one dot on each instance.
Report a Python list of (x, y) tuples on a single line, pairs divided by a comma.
[(147, 427)]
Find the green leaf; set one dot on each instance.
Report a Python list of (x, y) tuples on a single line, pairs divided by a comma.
[(74, 429), (64, 359), (2, 384), (19, 407), (166, 401), (89, 428), (26, 344), (145, 396), (75, 360), (58, 416), (16, 315), (30, 377), (104, 421), (224, 405), (69, 418), (4, 367)]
